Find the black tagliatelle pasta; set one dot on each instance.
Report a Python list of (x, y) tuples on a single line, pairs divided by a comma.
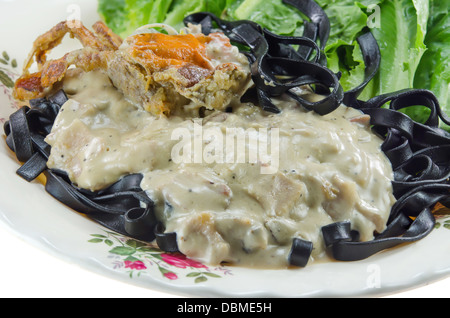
[(419, 153)]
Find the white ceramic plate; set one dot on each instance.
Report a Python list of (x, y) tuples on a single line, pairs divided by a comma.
[(31, 213)]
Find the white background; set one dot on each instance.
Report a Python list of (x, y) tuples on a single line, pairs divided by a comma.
[(29, 272)]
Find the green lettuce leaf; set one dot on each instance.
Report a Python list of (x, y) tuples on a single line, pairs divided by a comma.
[(273, 15), (113, 13), (347, 20), (181, 9), (433, 72), (138, 13), (125, 16), (346, 58), (401, 41), (159, 10)]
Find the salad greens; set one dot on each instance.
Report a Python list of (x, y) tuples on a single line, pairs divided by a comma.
[(413, 36), (125, 16)]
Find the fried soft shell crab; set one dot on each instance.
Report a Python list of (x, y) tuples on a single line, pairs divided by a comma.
[(158, 71)]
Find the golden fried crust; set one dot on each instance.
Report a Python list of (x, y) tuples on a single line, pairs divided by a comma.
[(107, 36), (97, 47), (159, 72), (162, 73), (49, 40), (28, 87)]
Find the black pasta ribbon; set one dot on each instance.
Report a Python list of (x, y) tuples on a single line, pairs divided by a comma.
[(420, 157), (123, 207), (276, 66)]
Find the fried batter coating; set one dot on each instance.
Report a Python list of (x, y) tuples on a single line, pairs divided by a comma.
[(156, 71)]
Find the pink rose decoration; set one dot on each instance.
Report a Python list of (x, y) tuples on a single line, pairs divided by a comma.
[(138, 265), (171, 275), (181, 261)]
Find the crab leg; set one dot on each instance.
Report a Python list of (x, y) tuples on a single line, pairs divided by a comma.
[(36, 85), (49, 40), (107, 36), (97, 47)]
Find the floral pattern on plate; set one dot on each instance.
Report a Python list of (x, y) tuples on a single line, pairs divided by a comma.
[(8, 75), (137, 258), (442, 215)]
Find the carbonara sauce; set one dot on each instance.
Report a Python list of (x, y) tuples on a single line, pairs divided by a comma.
[(286, 176)]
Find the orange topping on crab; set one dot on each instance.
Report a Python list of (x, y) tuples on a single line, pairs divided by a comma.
[(158, 71), (158, 51), (29, 84)]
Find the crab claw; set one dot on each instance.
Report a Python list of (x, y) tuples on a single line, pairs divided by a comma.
[(97, 47)]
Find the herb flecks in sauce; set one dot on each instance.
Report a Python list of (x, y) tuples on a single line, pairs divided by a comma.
[(330, 169)]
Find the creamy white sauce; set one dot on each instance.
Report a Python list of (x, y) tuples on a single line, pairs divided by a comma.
[(329, 168)]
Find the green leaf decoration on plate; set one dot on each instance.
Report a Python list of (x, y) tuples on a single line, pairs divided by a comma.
[(137, 257), (6, 66)]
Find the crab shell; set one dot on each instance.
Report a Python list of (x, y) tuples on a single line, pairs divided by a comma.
[(159, 72)]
